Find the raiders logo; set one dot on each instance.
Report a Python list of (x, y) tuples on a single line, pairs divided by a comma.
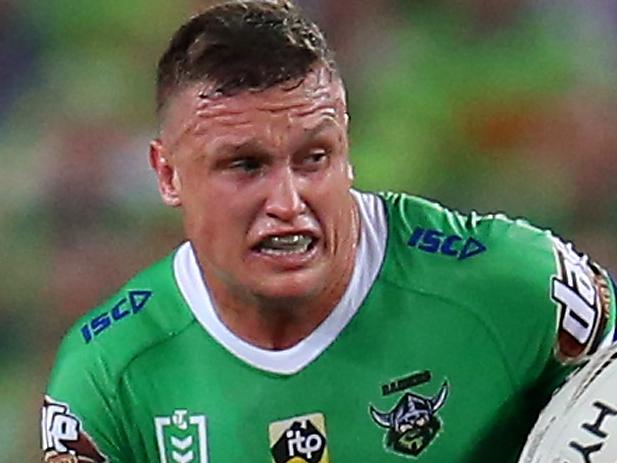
[(412, 423), (63, 439)]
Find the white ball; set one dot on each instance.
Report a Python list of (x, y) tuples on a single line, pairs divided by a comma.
[(579, 424)]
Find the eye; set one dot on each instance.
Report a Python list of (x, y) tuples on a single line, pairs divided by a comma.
[(246, 164), (315, 158)]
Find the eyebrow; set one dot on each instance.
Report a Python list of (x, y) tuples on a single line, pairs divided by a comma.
[(323, 125), (255, 146)]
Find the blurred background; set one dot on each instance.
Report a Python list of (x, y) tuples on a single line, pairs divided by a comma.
[(491, 105)]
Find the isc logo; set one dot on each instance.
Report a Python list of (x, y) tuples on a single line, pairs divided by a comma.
[(125, 307), (435, 241)]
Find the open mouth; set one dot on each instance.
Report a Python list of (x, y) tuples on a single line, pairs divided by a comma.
[(284, 245)]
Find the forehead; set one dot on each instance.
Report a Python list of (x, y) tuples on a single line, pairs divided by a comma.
[(199, 110)]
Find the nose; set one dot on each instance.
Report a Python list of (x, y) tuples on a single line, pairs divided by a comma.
[(284, 201)]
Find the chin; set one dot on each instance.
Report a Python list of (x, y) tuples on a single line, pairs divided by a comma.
[(294, 286)]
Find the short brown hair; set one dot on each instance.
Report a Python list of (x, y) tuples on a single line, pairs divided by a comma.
[(241, 45)]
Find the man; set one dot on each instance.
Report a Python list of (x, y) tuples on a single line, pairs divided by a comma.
[(304, 321)]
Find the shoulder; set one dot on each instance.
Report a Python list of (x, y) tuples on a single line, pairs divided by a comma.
[(82, 414), (146, 311), (514, 276), (435, 229)]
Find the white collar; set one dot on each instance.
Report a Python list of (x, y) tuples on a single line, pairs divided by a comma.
[(369, 258)]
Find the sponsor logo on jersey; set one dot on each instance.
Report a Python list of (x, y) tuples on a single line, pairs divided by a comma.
[(63, 438), (412, 423), (583, 297), (181, 438), (123, 308), (300, 439), (437, 242)]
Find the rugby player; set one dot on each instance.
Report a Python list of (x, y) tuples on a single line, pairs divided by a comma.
[(303, 320)]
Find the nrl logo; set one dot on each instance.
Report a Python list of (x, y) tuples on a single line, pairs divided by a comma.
[(413, 422), (181, 438)]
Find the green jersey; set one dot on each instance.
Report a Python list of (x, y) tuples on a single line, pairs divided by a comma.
[(452, 333)]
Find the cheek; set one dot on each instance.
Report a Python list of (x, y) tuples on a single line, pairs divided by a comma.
[(200, 207), (336, 181), (331, 196), (215, 211)]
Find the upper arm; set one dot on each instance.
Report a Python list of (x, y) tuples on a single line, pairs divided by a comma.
[(558, 306), (79, 415), (585, 298)]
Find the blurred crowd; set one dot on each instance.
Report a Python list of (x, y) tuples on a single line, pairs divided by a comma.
[(492, 105)]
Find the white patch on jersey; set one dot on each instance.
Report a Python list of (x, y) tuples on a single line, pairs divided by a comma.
[(62, 437), (188, 441), (369, 258), (581, 292)]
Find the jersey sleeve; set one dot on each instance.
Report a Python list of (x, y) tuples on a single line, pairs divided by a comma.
[(89, 409), (585, 297), (80, 420), (558, 306), (546, 306)]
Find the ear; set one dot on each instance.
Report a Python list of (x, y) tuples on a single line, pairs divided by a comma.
[(166, 173), (350, 173)]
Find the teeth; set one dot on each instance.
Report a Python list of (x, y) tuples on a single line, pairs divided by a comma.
[(286, 244), (286, 240)]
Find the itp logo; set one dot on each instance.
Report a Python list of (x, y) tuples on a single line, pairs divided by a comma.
[(299, 439)]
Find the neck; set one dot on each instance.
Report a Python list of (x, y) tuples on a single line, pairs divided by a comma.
[(277, 324)]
